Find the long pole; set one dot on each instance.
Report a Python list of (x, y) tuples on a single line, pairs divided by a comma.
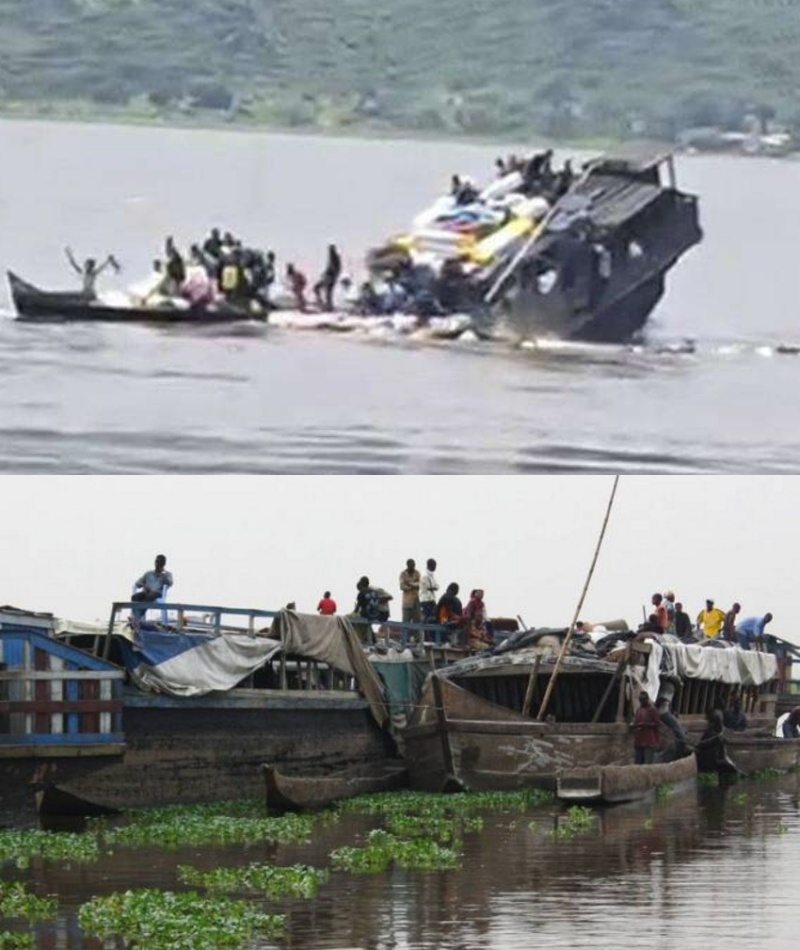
[(568, 637)]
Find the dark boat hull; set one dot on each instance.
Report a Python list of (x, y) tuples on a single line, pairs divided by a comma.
[(31, 303), (189, 751)]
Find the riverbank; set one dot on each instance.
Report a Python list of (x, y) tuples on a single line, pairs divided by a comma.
[(85, 112)]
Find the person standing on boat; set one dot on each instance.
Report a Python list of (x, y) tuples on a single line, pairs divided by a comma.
[(297, 282), (734, 717), (152, 584), (729, 624), (751, 631), (788, 725), (683, 624), (646, 731), (710, 620), (660, 611), (90, 271), (427, 592), (478, 635), (669, 605), (326, 606), (410, 581), (324, 287)]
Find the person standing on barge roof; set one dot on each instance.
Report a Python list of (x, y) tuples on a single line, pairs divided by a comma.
[(683, 624), (729, 624), (410, 581), (710, 620), (657, 601), (427, 592)]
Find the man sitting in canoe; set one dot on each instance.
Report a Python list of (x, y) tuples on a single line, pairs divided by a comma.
[(90, 271)]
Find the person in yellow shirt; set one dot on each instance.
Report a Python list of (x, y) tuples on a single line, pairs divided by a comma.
[(710, 620)]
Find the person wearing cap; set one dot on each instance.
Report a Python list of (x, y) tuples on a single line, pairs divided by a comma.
[(710, 620)]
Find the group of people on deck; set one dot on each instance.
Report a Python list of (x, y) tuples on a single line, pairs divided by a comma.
[(220, 270), (422, 604), (668, 616)]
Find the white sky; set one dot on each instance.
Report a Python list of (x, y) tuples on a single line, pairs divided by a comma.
[(73, 544)]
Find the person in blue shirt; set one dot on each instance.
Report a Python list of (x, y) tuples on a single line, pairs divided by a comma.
[(751, 630)]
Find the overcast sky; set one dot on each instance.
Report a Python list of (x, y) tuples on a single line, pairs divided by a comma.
[(72, 544)]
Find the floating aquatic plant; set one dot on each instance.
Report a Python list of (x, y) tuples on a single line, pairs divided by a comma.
[(428, 803), (13, 940), (664, 792), (384, 849), (162, 920), (16, 901), (444, 829), (207, 825), (275, 882), (578, 820), (21, 846)]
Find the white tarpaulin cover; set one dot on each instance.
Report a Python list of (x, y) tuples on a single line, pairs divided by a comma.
[(717, 664), (192, 664)]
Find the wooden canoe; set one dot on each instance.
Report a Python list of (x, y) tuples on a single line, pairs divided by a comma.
[(32, 303), (750, 753), (312, 792), (611, 784)]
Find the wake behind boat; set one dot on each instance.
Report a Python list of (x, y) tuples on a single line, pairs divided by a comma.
[(33, 303)]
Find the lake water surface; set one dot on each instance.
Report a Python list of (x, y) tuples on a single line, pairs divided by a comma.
[(260, 399), (704, 869)]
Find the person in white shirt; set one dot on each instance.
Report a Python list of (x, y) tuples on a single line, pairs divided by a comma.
[(428, 589)]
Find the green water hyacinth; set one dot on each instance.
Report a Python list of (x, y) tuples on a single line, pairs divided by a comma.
[(11, 940), (384, 849), (577, 821), (275, 882), (159, 920), (21, 846), (431, 804), (181, 827), (443, 829), (16, 901)]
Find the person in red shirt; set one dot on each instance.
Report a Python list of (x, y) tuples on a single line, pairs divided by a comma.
[(327, 606), (660, 611), (646, 731)]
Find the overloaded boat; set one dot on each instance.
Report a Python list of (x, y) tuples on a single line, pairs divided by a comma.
[(32, 303), (481, 725), (547, 253)]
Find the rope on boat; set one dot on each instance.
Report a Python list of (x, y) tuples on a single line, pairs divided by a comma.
[(565, 645)]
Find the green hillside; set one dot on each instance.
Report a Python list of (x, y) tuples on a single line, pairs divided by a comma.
[(561, 68)]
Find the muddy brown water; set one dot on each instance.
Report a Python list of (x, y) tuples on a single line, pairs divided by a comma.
[(707, 868), (263, 400)]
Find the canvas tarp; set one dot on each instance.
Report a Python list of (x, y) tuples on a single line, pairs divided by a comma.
[(193, 664), (714, 663), (334, 641)]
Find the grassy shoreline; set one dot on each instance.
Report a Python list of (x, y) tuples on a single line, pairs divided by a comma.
[(84, 112)]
